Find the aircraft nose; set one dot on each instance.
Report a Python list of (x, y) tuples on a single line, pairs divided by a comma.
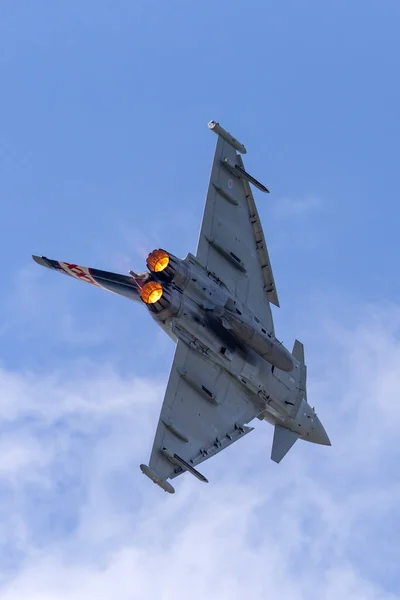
[(319, 435)]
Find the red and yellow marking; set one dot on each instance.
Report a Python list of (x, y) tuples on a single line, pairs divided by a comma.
[(79, 272)]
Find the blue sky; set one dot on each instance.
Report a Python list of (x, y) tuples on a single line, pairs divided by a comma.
[(105, 155)]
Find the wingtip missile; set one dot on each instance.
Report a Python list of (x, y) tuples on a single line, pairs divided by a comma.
[(216, 128), (167, 487)]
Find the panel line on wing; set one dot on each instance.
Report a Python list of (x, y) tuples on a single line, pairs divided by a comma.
[(225, 194), (175, 431), (230, 256), (202, 390)]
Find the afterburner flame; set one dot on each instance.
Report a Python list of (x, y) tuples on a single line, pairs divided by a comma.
[(157, 261), (151, 292)]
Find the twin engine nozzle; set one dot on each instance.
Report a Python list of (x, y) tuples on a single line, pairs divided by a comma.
[(164, 268)]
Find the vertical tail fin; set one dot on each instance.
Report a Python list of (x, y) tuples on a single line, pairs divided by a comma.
[(113, 282), (298, 354), (298, 351), (283, 437)]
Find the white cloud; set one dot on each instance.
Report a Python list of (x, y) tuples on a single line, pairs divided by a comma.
[(19, 454), (86, 523)]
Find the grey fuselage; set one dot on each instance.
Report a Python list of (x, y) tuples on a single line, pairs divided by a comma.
[(203, 313)]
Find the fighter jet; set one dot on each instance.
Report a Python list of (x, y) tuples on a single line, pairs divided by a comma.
[(229, 367)]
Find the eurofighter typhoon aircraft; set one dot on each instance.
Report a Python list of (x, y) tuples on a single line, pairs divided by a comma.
[(228, 366)]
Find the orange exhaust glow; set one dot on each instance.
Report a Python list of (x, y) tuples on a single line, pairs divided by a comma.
[(151, 292), (157, 261)]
